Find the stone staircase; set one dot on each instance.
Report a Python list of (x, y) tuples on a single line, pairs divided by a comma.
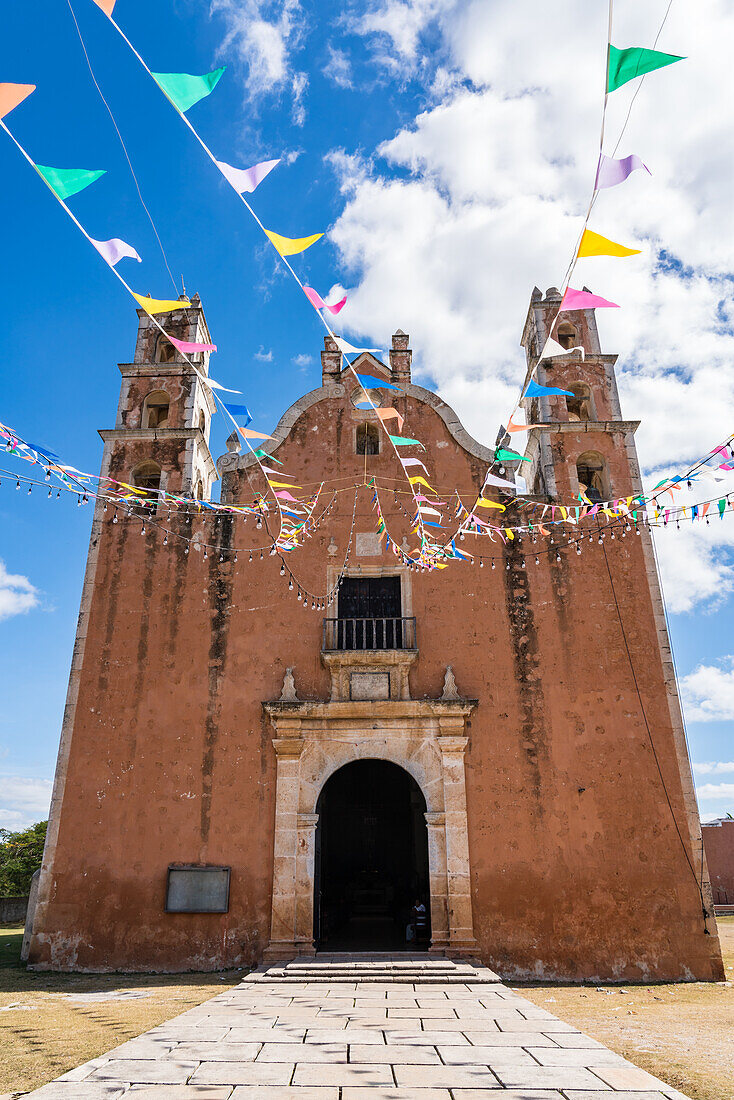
[(408, 969)]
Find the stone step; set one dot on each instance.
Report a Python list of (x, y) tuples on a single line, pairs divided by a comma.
[(353, 969)]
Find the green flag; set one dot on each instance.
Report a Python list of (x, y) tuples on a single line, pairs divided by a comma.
[(625, 65), (185, 90), (509, 456), (403, 441), (67, 181)]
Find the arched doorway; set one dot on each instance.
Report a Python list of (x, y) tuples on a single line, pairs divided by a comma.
[(371, 859)]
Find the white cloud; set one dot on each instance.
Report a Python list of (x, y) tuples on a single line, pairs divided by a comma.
[(17, 594), (714, 768), (708, 693), (264, 356), (302, 360), (398, 24), (265, 34), (23, 801), (338, 67), (717, 791)]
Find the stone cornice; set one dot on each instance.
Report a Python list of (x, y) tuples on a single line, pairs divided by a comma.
[(583, 426), (366, 712)]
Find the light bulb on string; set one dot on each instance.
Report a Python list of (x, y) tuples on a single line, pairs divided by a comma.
[(142, 530), (165, 540), (114, 518), (493, 565), (282, 569), (17, 484)]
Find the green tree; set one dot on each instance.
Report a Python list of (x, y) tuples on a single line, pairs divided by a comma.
[(20, 856)]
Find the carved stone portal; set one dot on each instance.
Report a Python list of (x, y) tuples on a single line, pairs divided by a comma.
[(313, 740)]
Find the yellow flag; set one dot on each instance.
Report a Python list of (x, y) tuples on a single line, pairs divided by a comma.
[(421, 481), (283, 485), (158, 305), (289, 246), (490, 504), (593, 244)]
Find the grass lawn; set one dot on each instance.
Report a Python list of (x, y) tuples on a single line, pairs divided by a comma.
[(44, 1032), (683, 1034)]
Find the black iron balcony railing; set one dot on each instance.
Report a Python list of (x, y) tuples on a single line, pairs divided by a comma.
[(341, 634)]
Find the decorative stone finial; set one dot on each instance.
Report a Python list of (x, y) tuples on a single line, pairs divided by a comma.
[(331, 549), (288, 694), (449, 685), (234, 444)]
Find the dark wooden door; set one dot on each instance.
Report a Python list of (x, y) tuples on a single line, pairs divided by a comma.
[(371, 610)]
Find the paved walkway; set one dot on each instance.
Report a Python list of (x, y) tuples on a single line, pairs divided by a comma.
[(394, 1032)]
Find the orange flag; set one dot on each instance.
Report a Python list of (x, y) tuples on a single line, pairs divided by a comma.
[(106, 6), (13, 94), (247, 433), (391, 414), (511, 427)]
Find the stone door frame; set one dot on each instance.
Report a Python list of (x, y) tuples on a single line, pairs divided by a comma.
[(428, 739)]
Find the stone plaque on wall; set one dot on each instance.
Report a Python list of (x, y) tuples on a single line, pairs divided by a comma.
[(197, 890), (369, 685), (368, 544)]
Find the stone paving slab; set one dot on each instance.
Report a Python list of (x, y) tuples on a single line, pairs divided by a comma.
[(276, 1039)]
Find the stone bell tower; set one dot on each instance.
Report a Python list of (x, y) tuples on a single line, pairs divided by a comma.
[(161, 434), (584, 444)]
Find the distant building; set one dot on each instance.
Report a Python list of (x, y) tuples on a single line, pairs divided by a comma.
[(718, 842), (238, 780)]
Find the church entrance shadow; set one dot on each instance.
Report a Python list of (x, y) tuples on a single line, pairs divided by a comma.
[(371, 860)]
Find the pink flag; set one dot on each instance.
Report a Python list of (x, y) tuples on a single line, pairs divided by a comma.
[(187, 347), (611, 172), (283, 495), (115, 250), (582, 299), (246, 179), (318, 302)]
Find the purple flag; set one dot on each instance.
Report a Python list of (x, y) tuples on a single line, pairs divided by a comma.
[(582, 299), (115, 250), (246, 179), (611, 172)]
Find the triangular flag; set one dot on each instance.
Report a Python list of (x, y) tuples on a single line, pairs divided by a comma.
[(509, 456), (635, 61), (552, 348), (582, 299), (318, 302), (534, 390), (290, 246), (213, 385), (106, 6), (188, 348), (369, 381), (115, 250), (66, 182), (500, 482), (421, 481), (260, 453), (593, 244), (403, 441), (512, 427), (484, 503), (13, 94), (611, 172), (391, 414), (239, 410), (185, 90), (159, 305), (248, 433), (245, 180)]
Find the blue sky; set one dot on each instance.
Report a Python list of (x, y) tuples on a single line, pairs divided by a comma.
[(448, 189)]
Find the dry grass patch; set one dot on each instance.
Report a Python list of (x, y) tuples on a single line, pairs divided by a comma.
[(683, 1034), (44, 1032)]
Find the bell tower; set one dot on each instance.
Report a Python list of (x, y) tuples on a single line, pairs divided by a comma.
[(584, 445), (161, 434)]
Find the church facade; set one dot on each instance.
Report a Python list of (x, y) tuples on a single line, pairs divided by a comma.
[(250, 770)]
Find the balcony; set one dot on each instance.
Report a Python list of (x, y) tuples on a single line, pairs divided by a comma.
[(367, 635)]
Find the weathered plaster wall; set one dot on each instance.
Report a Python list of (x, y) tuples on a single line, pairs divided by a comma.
[(578, 870), (718, 842)]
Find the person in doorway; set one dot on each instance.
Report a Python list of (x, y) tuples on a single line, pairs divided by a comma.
[(419, 919)]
